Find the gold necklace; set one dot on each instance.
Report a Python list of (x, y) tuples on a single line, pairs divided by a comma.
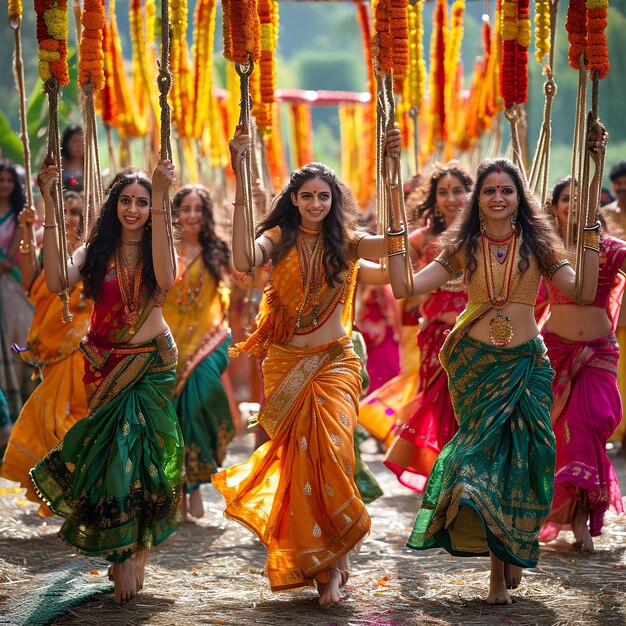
[(310, 260), (129, 275), (500, 329)]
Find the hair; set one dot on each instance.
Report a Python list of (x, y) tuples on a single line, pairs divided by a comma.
[(540, 236), (68, 133), (17, 199), (426, 213), (558, 189), (617, 171), (107, 233), (338, 227), (215, 251), (69, 195)]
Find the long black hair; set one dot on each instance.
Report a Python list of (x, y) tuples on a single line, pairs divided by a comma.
[(215, 251), (107, 233), (338, 227), (540, 237), (426, 210), (17, 199), (69, 132)]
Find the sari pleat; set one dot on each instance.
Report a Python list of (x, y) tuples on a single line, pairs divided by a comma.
[(491, 487), (297, 491), (587, 409), (117, 474)]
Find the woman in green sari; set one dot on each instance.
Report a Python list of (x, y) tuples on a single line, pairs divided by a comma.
[(116, 476), (491, 486)]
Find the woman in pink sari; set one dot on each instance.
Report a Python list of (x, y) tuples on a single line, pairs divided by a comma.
[(587, 408), (433, 424)]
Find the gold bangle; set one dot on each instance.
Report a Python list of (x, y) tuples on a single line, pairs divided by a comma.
[(264, 255), (24, 248), (594, 248), (50, 225), (395, 243), (592, 239), (158, 211), (554, 267)]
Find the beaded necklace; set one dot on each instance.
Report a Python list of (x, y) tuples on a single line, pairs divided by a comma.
[(310, 260), (501, 331), (129, 267), (189, 293)]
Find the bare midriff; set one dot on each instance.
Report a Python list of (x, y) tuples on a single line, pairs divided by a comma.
[(154, 326), (578, 323), (331, 329), (522, 319)]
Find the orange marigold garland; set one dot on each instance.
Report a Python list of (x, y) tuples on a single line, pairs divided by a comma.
[(242, 31), (52, 38), (576, 26), (91, 61), (399, 34), (437, 110), (268, 20), (597, 48), (381, 27)]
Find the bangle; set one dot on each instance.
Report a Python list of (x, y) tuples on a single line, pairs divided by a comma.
[(25, 247), (555, 266), (591, 239), (236, 204), (596, 226), (395, 242), (50, 225), (158, 211), (264, 256)]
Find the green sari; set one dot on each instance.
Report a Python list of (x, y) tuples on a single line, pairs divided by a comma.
[(491, 487)]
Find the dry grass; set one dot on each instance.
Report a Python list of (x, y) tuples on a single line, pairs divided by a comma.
[(211, 573)]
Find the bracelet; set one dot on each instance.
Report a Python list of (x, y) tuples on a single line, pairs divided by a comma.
[(25, 247), (594, 248), (596, 226), (236, 204), (158, 211), (553, 268), (50, 225), (592, 239), (264, 255), (403, 251), (395, 243)]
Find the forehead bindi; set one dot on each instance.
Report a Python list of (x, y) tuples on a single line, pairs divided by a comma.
[(315, 186), (498, 179), (135, 190)]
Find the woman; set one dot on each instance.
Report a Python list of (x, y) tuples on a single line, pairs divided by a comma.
[(420, 440), (490, 489), (196, 314), (73, 157), (59, 400), (116, 476), (587, 406), (16, 313), (297, 491)]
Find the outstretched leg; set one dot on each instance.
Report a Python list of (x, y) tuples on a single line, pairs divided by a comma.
[(498, 595), (125, 581), (584, 542)]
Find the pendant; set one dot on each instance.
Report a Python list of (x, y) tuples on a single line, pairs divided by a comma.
[(501, 253), (501, 331)]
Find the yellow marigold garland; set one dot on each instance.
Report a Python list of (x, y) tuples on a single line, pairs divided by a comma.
[(453, 57), (542, 29), (417, 64), (15, 10), (52, 38)]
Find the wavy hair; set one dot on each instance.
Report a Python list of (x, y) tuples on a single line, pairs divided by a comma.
[(107, 233), (17, 199), (540, 238), (215, 251), (338, 227), (426, 210)]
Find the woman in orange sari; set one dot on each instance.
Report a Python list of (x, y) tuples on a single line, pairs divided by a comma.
[(297, 491), (59, 400)]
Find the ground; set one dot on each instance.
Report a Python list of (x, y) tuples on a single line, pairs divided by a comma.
[(211, 572)]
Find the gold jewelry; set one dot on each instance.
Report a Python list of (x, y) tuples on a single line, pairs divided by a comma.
[(514, 218), (395, 243), (591, 237), (50, 225), (500, 329), (236, 204), (553, 268), (482, 218), (264, 255), (129, 278), (158, 211), (311, 270), (25, 247)]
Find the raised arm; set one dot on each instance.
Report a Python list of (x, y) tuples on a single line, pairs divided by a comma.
[(162, 245), (239, 144), (48, 175), (29, 263)]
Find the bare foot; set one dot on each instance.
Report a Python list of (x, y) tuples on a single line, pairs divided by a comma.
[(584, 542), (196, 507), (498, 595), (512, 575), (140, 558), (343, 565), (125, 581), (329, 593)]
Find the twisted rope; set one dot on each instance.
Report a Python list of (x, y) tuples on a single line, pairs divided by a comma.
[(93, 179)]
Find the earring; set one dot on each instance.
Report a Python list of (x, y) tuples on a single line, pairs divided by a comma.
[(438, 216), (514, 218), (483, 220)]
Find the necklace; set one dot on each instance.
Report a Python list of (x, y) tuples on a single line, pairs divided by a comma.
[(189, 293), (129, 266), (500, 245), (500, 331), (310, 258)]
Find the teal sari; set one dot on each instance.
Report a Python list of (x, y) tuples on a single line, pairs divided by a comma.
[(491, 487), (205, 418), (117, 474)]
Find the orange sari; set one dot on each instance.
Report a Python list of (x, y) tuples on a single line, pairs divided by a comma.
[(59, 401), (297, 491)]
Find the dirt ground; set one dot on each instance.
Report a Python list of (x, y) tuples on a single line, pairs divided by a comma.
[(210, 572)]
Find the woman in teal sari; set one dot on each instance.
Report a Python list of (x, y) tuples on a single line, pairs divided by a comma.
[(116, 476), (491, 486)]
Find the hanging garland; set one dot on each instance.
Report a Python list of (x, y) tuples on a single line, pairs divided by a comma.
[(515, 32), (268, 20), (91, 61), (437, 111), (542, 29), (52, 38), (391, 24), (597, 48), (454, 75), (242, 30)]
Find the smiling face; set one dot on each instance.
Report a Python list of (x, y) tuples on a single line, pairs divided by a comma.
[(561, 209), (498, 198), (313, 199), (190, 214), (133, 210), (73, 210), (450, 196)]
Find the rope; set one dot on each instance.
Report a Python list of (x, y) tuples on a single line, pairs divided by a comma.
[(54, 153), (513, 114), (164, 82), (93, 179)]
